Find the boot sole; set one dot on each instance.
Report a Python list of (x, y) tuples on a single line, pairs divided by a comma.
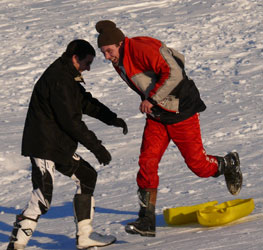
[(130, 229), (89, 247)]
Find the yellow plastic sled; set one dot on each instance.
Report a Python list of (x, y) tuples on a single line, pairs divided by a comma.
[(184, 215), (210, 213), (224, 213)]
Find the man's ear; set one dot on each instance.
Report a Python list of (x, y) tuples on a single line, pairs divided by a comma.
[(120, 43), (75, 61)]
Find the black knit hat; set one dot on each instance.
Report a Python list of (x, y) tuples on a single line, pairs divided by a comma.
[(109, 33)]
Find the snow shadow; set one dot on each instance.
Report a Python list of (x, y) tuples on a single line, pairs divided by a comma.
[(66, 209), (8, 210), (59, 241)]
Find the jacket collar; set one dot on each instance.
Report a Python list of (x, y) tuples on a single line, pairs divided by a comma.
[(67, 62)]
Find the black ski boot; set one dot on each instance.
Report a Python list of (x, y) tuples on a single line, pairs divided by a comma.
[(229, 165), (145, 224)]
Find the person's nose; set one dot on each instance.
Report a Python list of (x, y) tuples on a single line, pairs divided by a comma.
[(88, 67), (107, 56)]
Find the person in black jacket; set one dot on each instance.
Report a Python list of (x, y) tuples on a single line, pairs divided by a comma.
[(53, 129)]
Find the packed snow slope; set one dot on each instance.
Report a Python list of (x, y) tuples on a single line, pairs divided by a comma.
[(222, 43)]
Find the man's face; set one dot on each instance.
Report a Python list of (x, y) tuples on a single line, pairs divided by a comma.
[(112, 52), (84, 64)]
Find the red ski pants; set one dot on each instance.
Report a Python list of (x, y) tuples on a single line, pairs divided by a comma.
[(187, 137)]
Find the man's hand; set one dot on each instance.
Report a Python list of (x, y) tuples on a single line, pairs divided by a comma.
[(146, 107), (118, 122), (102, 154)]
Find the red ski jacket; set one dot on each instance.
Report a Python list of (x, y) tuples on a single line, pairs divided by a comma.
[(150, 68)]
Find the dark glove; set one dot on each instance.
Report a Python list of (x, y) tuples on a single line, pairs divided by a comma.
[(102, 154), (118, 122)]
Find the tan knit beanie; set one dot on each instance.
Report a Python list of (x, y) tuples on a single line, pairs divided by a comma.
[(109, 33)]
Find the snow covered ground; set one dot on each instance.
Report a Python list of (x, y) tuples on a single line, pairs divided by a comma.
[(223, 45)]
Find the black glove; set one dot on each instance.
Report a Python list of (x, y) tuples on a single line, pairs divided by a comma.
[(118, 122), (102, 154)]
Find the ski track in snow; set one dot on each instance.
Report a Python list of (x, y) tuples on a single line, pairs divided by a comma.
[(222, 43)]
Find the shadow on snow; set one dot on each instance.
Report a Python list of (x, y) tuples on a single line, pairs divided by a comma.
[(62, 241)]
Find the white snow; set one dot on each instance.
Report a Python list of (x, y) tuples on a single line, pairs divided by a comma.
[(223, 45)]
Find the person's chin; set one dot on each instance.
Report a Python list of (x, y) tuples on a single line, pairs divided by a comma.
[(115, 62)]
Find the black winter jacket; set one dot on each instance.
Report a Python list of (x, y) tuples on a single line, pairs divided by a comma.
[(54, 125)]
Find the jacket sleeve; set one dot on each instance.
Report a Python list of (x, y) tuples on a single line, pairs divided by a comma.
[(68, 116), (94, 108)]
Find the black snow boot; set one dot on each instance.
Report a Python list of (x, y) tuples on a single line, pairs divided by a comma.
[(229, 165), (145, 224)]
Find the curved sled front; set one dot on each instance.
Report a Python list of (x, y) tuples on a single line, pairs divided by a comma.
[(224, 213), (184, 215)]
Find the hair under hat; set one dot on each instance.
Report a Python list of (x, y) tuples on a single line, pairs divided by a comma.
[(108, 33)]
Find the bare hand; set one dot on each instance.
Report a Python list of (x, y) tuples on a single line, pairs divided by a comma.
[(145, 107)]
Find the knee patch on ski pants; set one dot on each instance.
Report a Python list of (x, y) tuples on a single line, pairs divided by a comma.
[(81, 172)]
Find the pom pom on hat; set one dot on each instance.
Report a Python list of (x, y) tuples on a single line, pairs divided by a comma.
[(108, 33), (105, 24)]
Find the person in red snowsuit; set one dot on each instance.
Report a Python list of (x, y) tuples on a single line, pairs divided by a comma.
[(172, 104)]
